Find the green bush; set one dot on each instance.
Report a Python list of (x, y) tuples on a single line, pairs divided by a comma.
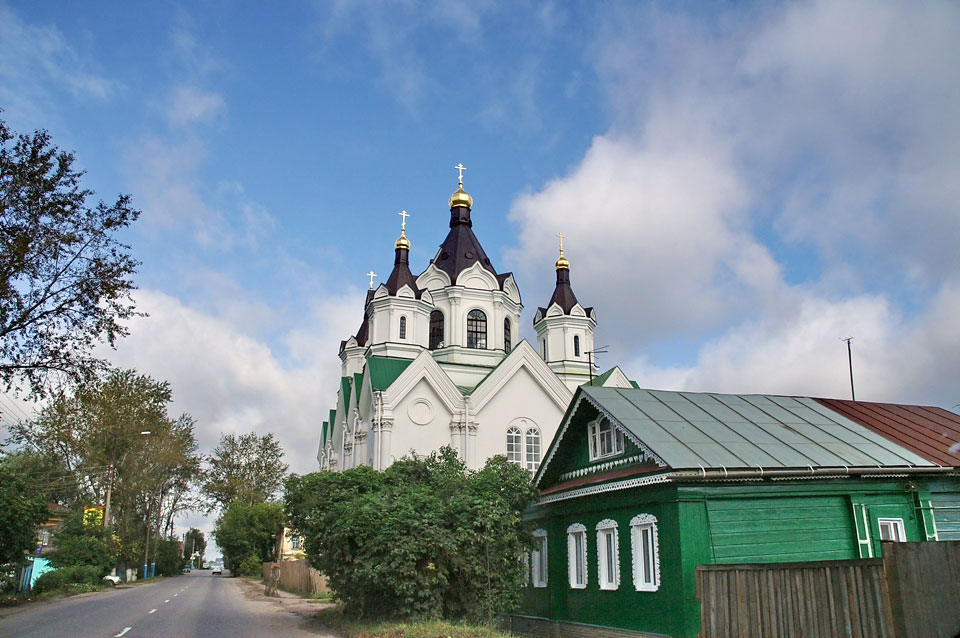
[(80, 544), (169, 560), (248, 530), (67, 578), (426, 538), (249, 566)]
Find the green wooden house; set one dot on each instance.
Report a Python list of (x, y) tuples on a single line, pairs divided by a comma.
[(640, 486)]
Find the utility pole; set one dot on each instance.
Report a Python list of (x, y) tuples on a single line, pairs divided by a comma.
[(853, 396)]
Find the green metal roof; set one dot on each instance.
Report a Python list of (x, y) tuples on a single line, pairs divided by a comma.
[(692, 430), (384, 371), (357, 384), (333, 420), (345, 391), (323, 435), (600, 379)]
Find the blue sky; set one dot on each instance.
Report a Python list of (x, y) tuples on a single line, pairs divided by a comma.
[(741, 185)]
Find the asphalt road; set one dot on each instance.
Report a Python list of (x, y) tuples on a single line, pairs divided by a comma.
[(198, 604)]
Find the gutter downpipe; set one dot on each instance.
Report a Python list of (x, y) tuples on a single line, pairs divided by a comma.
[(379, 451)]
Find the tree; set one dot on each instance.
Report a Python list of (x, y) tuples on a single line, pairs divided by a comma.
[(246, 468), (22, 510), (194, 544), (65, 279), (81, 544), (247, 534), (424, 538), (97, 435)]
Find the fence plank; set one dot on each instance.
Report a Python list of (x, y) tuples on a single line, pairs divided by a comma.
[(297, 576)]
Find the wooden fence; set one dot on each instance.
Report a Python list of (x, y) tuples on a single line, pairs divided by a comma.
[(784, 600), (297, 576), (924, 584), (912, 592)]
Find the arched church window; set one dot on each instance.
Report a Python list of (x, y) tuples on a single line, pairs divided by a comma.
[(403, 327), (476, 329), (507, 341), (533, 449), (514, 443), (436, 330), (576, 345)]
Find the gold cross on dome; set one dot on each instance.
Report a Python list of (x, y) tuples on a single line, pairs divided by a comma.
[(371, 275), (404, 214), (561, 235), (460, 168)]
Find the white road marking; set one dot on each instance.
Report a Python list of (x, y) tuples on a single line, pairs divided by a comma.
[(175, 595), (151, 611), (125, 630), (167, 600)]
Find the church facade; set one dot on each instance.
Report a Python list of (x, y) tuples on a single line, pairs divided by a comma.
[(437, 361)]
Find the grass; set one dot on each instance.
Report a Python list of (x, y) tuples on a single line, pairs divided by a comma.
[(70, 589), (350, 628)]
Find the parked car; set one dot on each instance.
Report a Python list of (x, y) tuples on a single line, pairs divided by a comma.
[(113, 579)]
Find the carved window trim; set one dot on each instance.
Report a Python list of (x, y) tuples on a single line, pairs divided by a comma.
[(577, 557), (642, 581), (608, 555)]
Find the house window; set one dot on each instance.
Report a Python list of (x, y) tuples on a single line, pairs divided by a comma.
[(605, 439), (403, 327), (476, 329), (294, 542), (891, 529), (646, 553), (608, 555), (507, 341), (436, 330), (525, 566), (538, 558), (576, 345), (533, 449), (514, 442), (577, 555)]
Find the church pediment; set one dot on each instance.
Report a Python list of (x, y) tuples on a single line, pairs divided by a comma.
[(424, 367), (510, 287), (433, 279), (523, 356), (478, 277)]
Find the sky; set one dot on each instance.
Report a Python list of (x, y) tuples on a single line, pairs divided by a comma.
[(740, 185)]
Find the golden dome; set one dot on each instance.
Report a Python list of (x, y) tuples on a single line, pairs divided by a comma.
[(402, 241), (460, 198), (562, 262)]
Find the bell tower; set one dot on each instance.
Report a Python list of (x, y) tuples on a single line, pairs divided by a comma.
[(565, 329)]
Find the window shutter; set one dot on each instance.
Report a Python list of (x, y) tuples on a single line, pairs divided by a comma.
[(864, 546)]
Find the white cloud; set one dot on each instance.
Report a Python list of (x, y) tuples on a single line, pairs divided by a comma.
[(233, 382), (819, 132), (37, 64), (192, 105)]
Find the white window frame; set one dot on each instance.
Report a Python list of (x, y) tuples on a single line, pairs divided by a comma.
[(594, 441), (516, 456), (896, 524), (642, 580), (525, 564), (531, 458), (538, 558), (577, 558), (607, 534)]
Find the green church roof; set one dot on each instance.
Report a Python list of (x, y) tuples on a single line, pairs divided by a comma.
[(345, 390), (384, 371), (709, 430)]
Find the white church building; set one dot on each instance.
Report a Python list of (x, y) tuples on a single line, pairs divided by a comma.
[(436, 361)]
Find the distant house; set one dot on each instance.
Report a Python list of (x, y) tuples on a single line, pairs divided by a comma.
[(38, 563), (638, 487), (290, 545)]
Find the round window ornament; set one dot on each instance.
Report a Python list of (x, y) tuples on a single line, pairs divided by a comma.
[(468, 254), (421, 412)]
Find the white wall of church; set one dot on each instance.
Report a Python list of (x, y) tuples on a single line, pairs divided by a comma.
[(521, 396), (421, 423)]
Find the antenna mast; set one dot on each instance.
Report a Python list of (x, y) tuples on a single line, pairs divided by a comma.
[(853, 395)]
